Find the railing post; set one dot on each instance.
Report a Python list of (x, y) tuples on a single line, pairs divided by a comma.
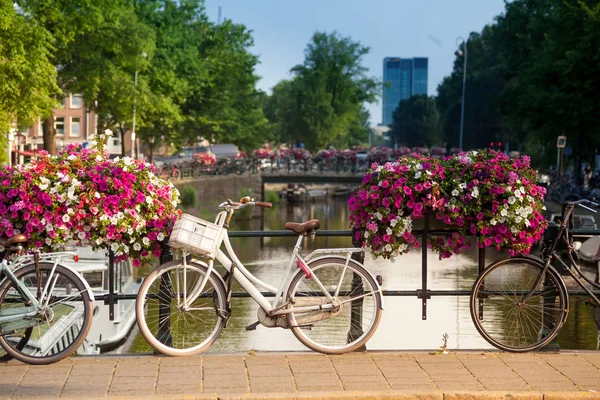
[(111, 298), (423, 293), (356, 306)]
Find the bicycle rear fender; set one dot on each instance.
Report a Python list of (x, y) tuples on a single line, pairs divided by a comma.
[(85, 282), (343, 260)]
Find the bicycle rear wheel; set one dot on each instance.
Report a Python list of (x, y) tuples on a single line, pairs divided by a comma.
[(503, 319), (165, 324), (356, 313), (60, 326)]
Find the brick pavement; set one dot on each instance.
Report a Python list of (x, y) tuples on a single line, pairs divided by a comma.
[(372, 375)]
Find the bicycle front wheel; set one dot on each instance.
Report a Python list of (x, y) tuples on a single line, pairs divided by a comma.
[(62, 322), (166, 323), (504, 319), (356, 310)]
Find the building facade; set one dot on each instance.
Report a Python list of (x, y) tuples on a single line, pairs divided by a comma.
[(403, 78), (74, 123)]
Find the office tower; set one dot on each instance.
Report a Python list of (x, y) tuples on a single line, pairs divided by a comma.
[(403, 78)]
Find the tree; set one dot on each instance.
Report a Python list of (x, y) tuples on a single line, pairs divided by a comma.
[(27, 77), (415, 122), (323, 103)]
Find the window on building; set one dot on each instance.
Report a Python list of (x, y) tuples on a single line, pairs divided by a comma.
[(76, 101), (75, 126), (59, 125)]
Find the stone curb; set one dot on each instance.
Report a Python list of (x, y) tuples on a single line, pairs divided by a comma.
[(371, 395)]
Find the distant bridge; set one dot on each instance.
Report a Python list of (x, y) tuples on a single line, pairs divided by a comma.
[(315, 178)]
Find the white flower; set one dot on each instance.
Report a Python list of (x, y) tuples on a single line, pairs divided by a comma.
[(527, 223), (393, 222), (146, 241), (108, 132), (161, 236), (48, 241), (418, 175), (388, 247), (366, 235), (378, 215), (388, 231), (99, 241), (518, 220), (543, 207), (98, 158), (493, 222), (114, 246), (66, 218), (512, 199), (504, 213), (455, 192), (475, 192), (463, 185), (137, 246), (81, 235), (149, 199)]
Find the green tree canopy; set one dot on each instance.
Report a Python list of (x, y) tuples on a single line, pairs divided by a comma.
[(27, 76), (323, 103), (415, 122)]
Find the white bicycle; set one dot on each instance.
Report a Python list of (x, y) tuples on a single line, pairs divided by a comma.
[(330, 302)]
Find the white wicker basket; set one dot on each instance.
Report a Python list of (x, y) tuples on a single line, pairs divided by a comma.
[(195, 235)]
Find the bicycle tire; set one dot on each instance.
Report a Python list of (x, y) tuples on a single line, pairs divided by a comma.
[(26, 335), (193, 337), (495, 299), (336, 333), (55, 336)]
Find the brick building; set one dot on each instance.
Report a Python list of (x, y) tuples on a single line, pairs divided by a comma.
[(74, 123)]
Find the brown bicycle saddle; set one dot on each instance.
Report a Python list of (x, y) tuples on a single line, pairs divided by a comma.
[(313, 224), (7, 242)]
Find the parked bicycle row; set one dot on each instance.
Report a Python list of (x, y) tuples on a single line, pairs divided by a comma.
[(329, 301)]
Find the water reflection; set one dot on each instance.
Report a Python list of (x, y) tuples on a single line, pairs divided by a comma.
[(402, 326)]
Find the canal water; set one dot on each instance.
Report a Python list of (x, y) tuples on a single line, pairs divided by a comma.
[(402, 326)]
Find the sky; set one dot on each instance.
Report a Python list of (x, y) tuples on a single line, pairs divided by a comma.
[(390, 28)]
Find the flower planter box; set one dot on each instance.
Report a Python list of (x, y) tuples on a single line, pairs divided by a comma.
[(484, 194)]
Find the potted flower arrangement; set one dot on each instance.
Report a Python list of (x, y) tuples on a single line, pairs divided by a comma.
[(401, 151), (483, 194), (379, 154), (205, 159), (82, 197), (261, 154)]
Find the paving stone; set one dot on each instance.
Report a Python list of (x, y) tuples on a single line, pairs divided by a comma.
[(181, 361), (265, 360), (365, 386), (330, 388), (497, 395), (316, 379), (415, 386), (311, 367), (268, 371), (365, 370)]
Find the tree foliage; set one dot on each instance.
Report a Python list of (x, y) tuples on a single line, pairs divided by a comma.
[(322, 104), (195, 79), (531, 76), (27, 76), (415, 122)]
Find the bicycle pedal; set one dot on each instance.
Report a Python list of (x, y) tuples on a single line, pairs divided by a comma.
[(252, 327)]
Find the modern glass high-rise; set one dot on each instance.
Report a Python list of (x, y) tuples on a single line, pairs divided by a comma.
[(403, 78)]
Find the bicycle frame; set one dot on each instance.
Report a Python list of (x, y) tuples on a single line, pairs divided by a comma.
[(563, 234), (250, 282), (7, 269)]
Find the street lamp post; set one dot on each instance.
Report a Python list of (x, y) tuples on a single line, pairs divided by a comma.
[(459, 52), (134, 140)]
